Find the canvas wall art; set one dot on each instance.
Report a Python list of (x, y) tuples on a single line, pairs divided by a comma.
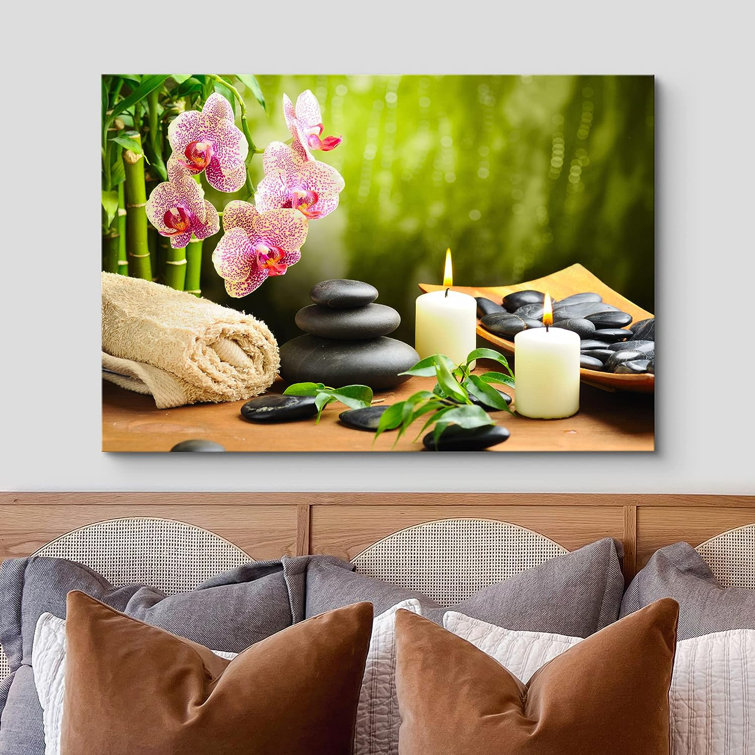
[(369, 263)]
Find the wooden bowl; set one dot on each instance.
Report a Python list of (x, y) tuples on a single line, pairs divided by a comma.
[(571, 280)]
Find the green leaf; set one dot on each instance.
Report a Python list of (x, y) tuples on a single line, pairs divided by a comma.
[(390, 419), (438, 414), (496, 356), (227, 93), (486, 393), (354, 396), (110, 205), (303, 389), (148, 83), (192, 85), (497, 377), (179, 78), (426, 367), (446, 381), (463, 416), (251, 83), (128, 142), (321, 401)]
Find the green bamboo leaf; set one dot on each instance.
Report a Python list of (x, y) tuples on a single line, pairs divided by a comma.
[(179, 78), (497, 377), (128, 142), (148, 83), (496, 356), (110, 205), (303, 389), (251, 83), (117, 169), (360, 394), (446, 381), (321, 401), (484, 392), (468, 416), (426, 367), (390, 419), (438, 414), (192, 85)]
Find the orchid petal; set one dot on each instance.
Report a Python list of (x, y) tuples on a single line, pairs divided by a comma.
[(228, 141), (322, 178), (286, 229), (178, 169), (291, 258), (183, 130), (271, 194), (225, 180), (183, 192), (219, 106), (180, 240), (281, 158), (238, 214), (211, 223), (238, 289), (233, 256), (308, 109)]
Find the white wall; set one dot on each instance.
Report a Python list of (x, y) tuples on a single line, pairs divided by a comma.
[(702, 57)]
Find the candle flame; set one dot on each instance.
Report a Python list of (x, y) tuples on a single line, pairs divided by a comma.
[(448, 272), (547, 311)]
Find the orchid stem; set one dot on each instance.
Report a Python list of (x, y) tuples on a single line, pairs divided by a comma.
[(136, 217)]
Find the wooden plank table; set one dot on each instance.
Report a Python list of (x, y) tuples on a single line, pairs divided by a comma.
[(607, 421)]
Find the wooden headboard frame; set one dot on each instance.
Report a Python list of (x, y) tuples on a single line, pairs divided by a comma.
[(267, 525)]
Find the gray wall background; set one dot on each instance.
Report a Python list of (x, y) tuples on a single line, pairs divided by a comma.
[(49, 308)]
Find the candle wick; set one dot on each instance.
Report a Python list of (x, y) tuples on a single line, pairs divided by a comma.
[(447, 290), (546, 328)]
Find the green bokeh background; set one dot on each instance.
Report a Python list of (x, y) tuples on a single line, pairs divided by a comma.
[(519, 175)]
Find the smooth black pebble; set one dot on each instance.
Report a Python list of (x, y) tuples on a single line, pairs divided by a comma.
[(619, 357), (535, 311), (611, 335), (342, 293), (644, 329), (583, 328), (601, 353), (644, 347), (633, 367), (455, 438), (585, 296), (582, 309), (590, 343), (518, 299), (487, 306), (590, 363), (357, 324), (611, 319), (507, 325), (198, 444), (366, 418), (276, 408)]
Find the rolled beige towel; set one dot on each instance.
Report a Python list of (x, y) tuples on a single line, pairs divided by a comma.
[(181, 349)]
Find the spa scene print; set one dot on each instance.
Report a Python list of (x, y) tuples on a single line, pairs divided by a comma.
[(377, 264)]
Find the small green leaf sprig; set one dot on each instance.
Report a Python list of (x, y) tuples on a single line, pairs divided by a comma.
[(450, 401), (353, 396)]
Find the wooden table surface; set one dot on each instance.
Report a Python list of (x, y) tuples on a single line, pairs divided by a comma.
[(607, 421)]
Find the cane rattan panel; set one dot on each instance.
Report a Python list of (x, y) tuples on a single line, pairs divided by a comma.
[(731, 556), (449, 559), (171, 556)]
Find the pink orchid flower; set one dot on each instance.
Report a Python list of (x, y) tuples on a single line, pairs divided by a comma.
[(210, 141), (309, 186), (178, 209), (256, 245), (305, 124)]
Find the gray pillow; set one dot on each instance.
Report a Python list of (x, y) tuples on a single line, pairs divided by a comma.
[(228, 612), (575, 594), (678, 571)]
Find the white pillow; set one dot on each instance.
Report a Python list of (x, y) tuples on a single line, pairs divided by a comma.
[(712, 696), (377, 715)]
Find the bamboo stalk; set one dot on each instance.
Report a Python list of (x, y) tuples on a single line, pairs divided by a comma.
[(136, 217), (175, 268), (110, 243), (194, 267), (120, 220)]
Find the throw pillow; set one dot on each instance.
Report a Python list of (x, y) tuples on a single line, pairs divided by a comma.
[(576, 594), (131, 687), (229, 612), (678, 571), (608, 693)]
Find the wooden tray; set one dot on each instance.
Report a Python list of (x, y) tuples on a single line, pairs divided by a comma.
[(570, 280)]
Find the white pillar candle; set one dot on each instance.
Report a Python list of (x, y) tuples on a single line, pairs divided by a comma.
[(546, 368), (445, 324)]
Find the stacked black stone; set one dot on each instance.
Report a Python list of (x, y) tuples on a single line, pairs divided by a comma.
[(607, 340), (346, 341)]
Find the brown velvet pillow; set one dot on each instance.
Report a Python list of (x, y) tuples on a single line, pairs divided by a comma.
[(134, 688), (608, 694)]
